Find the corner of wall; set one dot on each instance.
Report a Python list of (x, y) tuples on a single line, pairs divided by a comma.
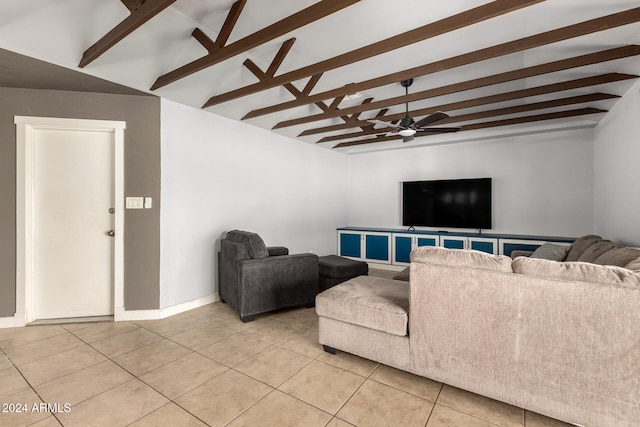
[(616, 170)]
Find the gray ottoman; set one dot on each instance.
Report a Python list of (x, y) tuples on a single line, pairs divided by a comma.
[(336, 269)]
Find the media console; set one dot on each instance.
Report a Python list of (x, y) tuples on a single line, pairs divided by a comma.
[(393, 246)]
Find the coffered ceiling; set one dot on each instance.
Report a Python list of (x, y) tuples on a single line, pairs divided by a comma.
[(319, 70)]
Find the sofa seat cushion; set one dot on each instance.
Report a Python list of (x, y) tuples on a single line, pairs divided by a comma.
[(370, 302), (577, 271), (461, 258)]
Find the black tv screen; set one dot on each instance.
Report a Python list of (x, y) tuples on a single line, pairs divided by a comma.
[(457, 203)]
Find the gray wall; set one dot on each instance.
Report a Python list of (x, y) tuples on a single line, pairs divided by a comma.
[(142, 178)]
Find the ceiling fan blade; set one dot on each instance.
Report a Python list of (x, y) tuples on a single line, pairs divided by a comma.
[(380, 122), (431, 118), (407, 138), (439, 130)]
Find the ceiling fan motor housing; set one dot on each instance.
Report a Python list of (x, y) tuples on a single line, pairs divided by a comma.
[(407, 122)]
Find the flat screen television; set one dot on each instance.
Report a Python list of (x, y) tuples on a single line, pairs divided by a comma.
[(455, 203)]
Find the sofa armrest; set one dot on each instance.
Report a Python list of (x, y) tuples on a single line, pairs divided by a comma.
[(270, 283), (230, 254), (277, 250)]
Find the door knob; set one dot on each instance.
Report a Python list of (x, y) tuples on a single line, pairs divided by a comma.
[(112, 210), (111, 233)]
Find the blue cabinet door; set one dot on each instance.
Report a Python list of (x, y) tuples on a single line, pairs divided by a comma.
[(350, 245), (484, 246), (377, 247), (403, 248), (451, 243), (427, 241)]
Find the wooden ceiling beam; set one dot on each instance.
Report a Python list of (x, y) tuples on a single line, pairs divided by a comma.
[(262, 75), (147, 10), (203, 39), (299, 19), (335, 103), (356, 115), (455, 22), (229, 23), (279, 58), (491, 99), (572, 100), (553, 36), (484, 125), (133, 5), (522, 73), (313, 81), (273, 67)]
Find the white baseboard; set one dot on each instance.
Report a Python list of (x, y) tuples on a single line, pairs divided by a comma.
[(131, 315), (161, 313), (189, 305), (122, 315), (10, 322)]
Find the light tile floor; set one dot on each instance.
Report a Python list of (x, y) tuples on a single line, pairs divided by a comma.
[(206, 367)]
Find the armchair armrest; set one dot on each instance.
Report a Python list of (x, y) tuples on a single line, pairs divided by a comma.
[(277, 250)]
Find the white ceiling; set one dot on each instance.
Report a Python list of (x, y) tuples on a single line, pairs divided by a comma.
[(60, 31)]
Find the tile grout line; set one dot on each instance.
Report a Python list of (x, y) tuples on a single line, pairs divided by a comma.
[(301, 326), (475, 416), (195, 351), (30, 386), (434, 405), (37, 340), (356, 390), (273, 388), (136, 377)]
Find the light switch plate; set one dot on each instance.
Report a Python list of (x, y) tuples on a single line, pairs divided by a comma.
[(134, 202), (148, 203)]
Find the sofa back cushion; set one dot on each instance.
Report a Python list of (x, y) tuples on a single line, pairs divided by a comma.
[(552, 252), (619, 255), (580, 245), (461, 258), (577, 271), (252, 242), (594, 251)]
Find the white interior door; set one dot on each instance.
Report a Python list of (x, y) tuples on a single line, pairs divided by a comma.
[(73, 190)]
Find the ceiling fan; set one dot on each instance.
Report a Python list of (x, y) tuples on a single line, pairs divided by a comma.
[(407, 127)]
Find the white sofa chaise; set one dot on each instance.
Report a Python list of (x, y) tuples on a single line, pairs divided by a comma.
[(558, 338)]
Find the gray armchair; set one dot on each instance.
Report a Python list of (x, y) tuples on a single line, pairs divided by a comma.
[(254, 279)]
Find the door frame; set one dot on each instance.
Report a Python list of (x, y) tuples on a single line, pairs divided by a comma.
[(25, 132)]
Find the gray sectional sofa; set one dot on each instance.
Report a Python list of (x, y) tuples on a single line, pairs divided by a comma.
[(561, 338)]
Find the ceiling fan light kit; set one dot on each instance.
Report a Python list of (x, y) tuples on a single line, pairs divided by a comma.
[(408, 127)]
